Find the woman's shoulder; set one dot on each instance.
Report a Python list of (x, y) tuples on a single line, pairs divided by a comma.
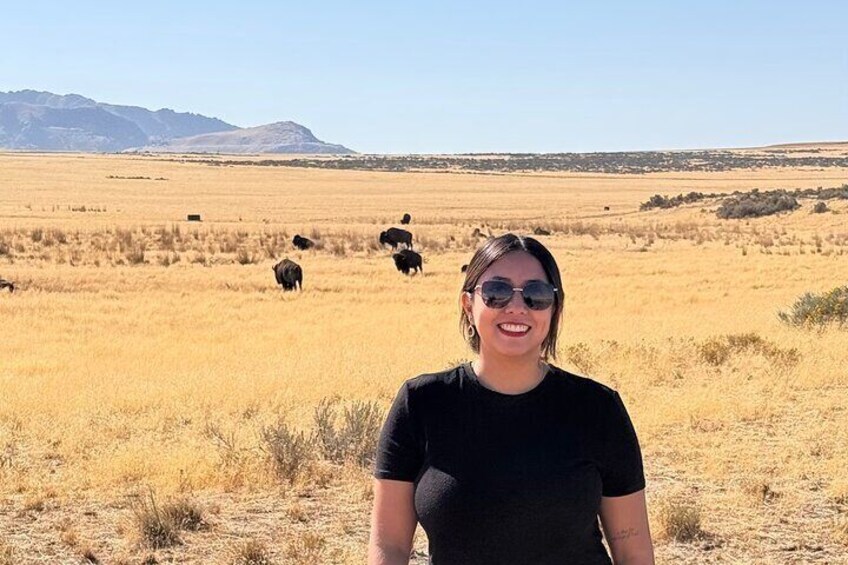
[(581, 386), (445, 379)]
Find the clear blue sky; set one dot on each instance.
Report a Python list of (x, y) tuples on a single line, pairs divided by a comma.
[(390, 77)]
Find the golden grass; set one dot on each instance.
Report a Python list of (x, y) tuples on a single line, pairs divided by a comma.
[(121, 376)]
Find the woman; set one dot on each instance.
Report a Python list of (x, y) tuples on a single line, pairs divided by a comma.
[(508, 459)]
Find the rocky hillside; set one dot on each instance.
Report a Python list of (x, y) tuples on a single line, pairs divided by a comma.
[(281, 137)]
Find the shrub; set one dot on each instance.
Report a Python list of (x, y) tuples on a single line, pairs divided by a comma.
[(818, 309), (660, 201), (169, 259), (581, 356), (290, 453), (355, 439), (840, 193), (756, 204), (716, 351), (820, 208), (59, 236)]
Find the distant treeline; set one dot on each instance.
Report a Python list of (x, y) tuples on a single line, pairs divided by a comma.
[(621, 163)]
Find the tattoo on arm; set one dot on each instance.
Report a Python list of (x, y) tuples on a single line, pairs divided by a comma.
[(624, 534)]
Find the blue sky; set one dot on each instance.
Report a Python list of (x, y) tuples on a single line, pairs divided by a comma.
[(386, 77)]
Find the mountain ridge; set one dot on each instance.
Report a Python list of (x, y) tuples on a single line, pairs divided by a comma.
[(43, 121)]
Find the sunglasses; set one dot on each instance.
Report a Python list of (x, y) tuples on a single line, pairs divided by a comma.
[(537, 295)]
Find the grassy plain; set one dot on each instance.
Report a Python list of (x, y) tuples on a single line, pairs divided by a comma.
[(143, 355)]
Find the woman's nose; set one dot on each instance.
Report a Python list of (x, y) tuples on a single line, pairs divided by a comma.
[(516, 303)]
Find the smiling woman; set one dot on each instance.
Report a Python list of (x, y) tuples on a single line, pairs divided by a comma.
[(509, 459)]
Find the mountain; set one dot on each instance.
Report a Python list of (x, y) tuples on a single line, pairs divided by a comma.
[(281, 137), (43, 121)]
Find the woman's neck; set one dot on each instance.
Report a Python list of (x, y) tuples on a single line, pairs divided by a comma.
[(509, 375)]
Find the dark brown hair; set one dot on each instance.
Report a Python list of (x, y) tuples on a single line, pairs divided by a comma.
[(494, 249)]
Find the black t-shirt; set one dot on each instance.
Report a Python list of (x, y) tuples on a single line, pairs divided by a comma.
[(511, 479)]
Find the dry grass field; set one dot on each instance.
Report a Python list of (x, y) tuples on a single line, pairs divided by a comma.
[(158, 391)]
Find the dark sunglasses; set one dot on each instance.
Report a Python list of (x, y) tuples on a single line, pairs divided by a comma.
[(537, 295)]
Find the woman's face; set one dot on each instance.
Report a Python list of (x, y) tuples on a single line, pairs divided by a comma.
[(515, 330)]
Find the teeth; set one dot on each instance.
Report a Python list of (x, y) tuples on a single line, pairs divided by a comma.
[(514, 327)]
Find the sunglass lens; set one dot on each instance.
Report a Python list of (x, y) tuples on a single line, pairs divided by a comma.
[(496, 294), (538, 295)]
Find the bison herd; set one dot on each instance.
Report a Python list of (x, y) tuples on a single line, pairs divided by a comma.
[(289, 275)]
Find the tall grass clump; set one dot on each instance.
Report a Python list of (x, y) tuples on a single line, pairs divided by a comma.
[(307, 549), (185, 514), (135, 256), (679, 520), (819, 310), (159, 526), (156, 528), (7, 555), (250, 552), (245, 257)]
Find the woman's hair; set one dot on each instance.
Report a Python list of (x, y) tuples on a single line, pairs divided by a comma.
[(491, 251)]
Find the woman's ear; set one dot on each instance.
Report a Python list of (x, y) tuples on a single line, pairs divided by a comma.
[(465, 302)]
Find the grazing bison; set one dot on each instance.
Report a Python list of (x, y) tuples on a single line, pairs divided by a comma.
[(406, 219), (407, 260), (541, 231), (464, 268), (288, 274), (302, 243), (7, 284), (606, 208), (396, 236)]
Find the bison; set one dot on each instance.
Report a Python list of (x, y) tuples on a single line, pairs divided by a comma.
[(7, 284), (406, 219), (396, 236), (541, 231), (288, 274), (407, 260), (464, 268), (302, 243)]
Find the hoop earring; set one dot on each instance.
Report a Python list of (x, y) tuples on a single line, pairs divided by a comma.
[(470, 332)]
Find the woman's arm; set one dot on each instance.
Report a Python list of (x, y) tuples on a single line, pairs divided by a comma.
[(393, 523), (625, 522)]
